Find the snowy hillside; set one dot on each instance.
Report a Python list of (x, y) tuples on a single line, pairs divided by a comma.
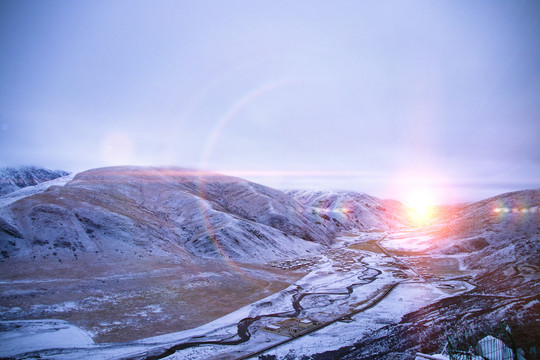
[(502, 229), (15, 178), (345, 210), (164, 212)]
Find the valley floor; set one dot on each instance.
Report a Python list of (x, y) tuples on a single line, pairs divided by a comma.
[(147, 300), (363, 283)]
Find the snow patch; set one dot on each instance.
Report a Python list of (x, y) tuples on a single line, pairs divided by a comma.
[(23, 336)]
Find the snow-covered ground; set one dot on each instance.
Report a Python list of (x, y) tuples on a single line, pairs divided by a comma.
[(33, 190), (408, 241), (24, 336), (403, 299), (369, 289)]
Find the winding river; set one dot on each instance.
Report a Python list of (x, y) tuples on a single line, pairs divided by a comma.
[(243, 325)]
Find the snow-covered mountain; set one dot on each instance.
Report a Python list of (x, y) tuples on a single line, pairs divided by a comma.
[(499, 230), (119, 212), (346, 210), (15, 178)]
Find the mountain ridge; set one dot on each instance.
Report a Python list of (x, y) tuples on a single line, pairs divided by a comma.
[(149, 211), (15, 178)]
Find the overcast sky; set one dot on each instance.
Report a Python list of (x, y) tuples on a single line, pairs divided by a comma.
[(373, 96)]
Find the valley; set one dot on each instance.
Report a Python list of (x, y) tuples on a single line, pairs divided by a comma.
[(346, 293), (154, 263), (269, 180)]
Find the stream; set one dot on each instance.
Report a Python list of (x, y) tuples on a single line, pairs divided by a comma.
[(243, 325)]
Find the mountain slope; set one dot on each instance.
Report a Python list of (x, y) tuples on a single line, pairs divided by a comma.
[(498, 230), (124, 211), (345, 210), (15, 178)]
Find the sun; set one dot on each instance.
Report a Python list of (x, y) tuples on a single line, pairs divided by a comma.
[(421, 205)]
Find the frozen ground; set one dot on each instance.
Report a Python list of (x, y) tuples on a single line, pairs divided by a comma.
[(155, 299), (411, 294), (24, 336), (347, 294), (408, 241), (403, 299)]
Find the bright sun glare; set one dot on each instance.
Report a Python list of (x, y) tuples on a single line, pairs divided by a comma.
[(421, 205)]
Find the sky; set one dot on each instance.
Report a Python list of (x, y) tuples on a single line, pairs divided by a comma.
[(382, 97)]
